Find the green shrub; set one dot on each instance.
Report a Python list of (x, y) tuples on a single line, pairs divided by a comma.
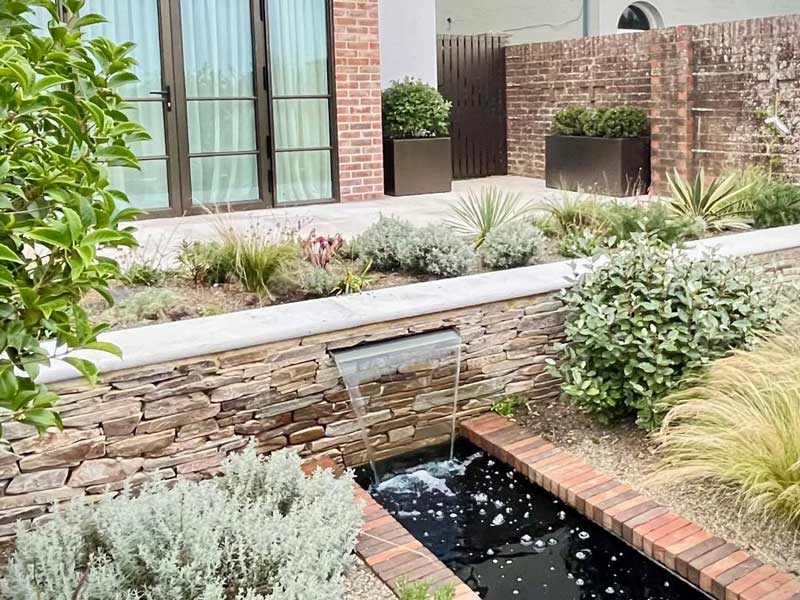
[(312, 280), (624, 122), (437, 250), (569, 121), (592, 122), (621, 221), (737, 426), (582, 244), (777, 206), (422, 590), (575, 213), (62, 126), (385, 242), (640, 322), (717, 206), (413, 109), (206, 263), (478, 214), (143, 273), (353, 280), (262, 531), (507, 406), (511, 245)]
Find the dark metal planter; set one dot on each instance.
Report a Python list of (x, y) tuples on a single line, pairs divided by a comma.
[(417, 166), (609, 166)]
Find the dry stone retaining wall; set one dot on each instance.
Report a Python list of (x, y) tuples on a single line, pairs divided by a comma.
[(182, 419)]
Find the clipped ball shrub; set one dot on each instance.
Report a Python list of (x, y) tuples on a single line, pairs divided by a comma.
[(437, 250), (640, 322), (413, 109), (385, 242), (262, 532), (511, 245), (624, 122), (569, 121)]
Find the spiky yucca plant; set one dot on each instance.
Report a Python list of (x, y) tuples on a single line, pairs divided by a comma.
[(717, 207), (479, 213), (738, 426)]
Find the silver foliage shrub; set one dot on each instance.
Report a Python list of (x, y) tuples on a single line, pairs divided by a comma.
[(262, 532), (385, 242), (437, 250), (511, 245)]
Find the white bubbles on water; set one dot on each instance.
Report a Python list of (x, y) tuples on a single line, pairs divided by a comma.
[(580, 555), (526, 540), (561, 515), (498, 520), (580, 582), (583, 535), (610, 590)]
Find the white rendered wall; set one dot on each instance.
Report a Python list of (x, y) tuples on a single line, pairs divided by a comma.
[(543, 20), (408, 40)]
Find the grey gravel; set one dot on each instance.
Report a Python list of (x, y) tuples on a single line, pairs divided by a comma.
[(629, 454), (362, 584)]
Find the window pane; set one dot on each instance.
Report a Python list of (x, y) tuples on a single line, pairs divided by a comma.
[(298, 47), (224, 179), (222, 126), (149, 115), (301, 124), (146, 189), (217, 48), (132, 21), (303, 176)]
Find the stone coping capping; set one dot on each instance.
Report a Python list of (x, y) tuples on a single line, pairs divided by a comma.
[(180, 340), (718, 568)]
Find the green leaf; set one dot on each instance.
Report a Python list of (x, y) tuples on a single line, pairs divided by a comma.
[(9, 255), (85, 367), (104, 347)]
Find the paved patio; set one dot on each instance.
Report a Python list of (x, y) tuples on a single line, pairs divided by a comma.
[(161, 237)]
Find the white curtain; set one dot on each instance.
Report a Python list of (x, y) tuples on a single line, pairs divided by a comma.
[(299, 64), (137, 21), (218, 63)]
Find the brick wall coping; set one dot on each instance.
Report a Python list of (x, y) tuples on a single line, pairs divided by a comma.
[(168, 342), (395, 556), (707, 561)]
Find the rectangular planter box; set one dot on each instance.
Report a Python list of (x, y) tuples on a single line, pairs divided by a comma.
[(609, 166), (417, 166)]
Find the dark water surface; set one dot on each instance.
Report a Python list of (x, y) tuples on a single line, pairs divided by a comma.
[(507, 538)]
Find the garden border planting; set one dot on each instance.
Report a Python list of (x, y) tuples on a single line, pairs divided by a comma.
[(188, 393), (715, 566)]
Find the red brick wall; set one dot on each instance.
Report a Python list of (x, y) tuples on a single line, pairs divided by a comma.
[(358, 99), (677, 74)]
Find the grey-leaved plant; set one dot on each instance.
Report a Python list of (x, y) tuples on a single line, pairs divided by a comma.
[(62, 125)]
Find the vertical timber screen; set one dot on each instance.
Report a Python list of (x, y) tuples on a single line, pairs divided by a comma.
[(472, 75)]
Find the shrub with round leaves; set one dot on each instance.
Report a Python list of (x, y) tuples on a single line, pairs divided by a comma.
[(413, 109), (641, 321), (511, 245), (62, 125)]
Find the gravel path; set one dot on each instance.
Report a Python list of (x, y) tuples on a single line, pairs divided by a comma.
[(362, 584), (627, 453)]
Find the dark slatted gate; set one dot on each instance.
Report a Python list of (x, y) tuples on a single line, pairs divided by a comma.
[(472, 75)]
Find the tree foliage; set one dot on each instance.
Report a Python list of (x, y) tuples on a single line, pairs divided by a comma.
[(62, 126)]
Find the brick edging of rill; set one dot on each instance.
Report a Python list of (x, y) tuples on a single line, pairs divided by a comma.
[(709, 562), (395, 556)]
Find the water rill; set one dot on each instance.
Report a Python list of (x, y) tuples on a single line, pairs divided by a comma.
[(507, 538), (370, 362)]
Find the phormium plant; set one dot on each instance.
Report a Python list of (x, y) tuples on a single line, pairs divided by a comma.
[(62, 125)]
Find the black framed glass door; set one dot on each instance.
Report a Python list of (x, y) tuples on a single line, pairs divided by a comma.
[(237, 96)]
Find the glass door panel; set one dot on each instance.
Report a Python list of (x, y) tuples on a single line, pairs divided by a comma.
[(221, 101), (138, 21), (298, 37)]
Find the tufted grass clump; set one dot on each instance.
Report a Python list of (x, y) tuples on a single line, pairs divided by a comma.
[(264, 531), (737, 426)]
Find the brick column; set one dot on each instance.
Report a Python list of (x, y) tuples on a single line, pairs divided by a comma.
[(357, 60), (672, 94)]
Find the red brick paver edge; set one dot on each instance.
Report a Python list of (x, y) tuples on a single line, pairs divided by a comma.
[(718, 568), (395, 556)]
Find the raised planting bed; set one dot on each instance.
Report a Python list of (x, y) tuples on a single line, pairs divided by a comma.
[(610, 166)]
